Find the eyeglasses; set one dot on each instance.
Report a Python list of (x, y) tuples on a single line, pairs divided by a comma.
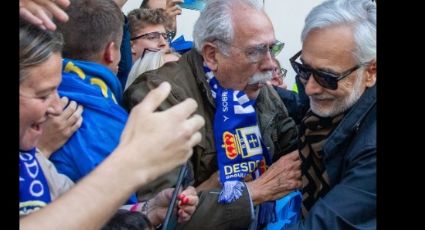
[(152, 36), (170, 35), (257, 53), (325, 79), (281, 72)]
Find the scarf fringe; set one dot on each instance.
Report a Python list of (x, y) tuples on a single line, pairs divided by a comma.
[(231, 191)]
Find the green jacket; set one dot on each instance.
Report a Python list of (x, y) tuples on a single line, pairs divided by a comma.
[(188, 80)]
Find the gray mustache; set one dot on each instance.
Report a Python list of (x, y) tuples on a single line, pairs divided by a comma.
[(260, 77)]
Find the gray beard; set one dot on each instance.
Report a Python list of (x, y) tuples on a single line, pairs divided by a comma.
[(340, 105)]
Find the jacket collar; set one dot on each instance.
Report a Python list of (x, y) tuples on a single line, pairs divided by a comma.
[(196, 62), (351, 122)]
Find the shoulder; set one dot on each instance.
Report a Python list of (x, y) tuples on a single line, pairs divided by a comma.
[(181, 75)]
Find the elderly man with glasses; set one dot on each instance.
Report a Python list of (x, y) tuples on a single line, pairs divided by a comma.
[(337, 68), (248, 155)]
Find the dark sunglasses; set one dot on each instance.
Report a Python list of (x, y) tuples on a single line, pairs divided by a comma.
[(152, 36), (325, 79)]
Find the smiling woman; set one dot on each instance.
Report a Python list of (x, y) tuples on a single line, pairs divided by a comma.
[(39, 77)]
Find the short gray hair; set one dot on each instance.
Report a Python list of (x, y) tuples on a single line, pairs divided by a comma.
[(215, 22), (36, 46), (360, 15)]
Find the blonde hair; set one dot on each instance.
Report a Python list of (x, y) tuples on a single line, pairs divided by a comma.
[(36, 46), (150, 61)]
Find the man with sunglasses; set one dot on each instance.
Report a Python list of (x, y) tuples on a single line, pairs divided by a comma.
[(337, 67), (227, 71)]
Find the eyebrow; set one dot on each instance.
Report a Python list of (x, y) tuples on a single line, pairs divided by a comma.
[(45, 91)]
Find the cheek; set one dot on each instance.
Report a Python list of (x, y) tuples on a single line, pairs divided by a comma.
[(34, 111), (344, 88), (146, 44)]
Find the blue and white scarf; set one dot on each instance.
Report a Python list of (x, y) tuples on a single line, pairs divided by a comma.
[(33, 188), (240, 149)]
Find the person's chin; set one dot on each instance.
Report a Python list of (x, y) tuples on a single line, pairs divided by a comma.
[(321, 110), (31, 138)]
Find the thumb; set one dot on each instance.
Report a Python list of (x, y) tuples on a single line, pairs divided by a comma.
[(155, 97)]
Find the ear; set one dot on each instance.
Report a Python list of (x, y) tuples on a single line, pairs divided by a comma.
[(371, 74), (209, 52), (109, 53), (133, 50)]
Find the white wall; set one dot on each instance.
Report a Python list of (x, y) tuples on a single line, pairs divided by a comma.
[(287, 17)]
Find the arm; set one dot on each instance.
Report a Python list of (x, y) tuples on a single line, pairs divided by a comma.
[(58, 129), (40, 12), (148, 148)]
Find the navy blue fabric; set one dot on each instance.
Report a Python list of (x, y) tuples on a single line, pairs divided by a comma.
[(350, 159), (98, 90), (290, 99), (124, 66)]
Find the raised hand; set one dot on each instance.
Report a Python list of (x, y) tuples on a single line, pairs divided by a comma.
[(58, 129), (40, 12), (282, 177), (160, 141)]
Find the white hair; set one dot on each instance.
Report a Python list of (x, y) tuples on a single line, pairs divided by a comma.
[(151, 61), (215, 22), (358, 14)]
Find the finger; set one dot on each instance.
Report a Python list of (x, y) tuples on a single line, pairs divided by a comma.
[(183, 216), (294, 155), (70, 110), (155, 97), (168, 193), (194, 123), (25, 14), (174, 11), (57, 12), (46, 18), (75, 116), (184, 109), (63, 3), (77, 125), (195, 139), (64, 101)]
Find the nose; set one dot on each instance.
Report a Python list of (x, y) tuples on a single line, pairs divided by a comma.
[(268, 64), (55, 107), (162, 42), (312, 87)]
